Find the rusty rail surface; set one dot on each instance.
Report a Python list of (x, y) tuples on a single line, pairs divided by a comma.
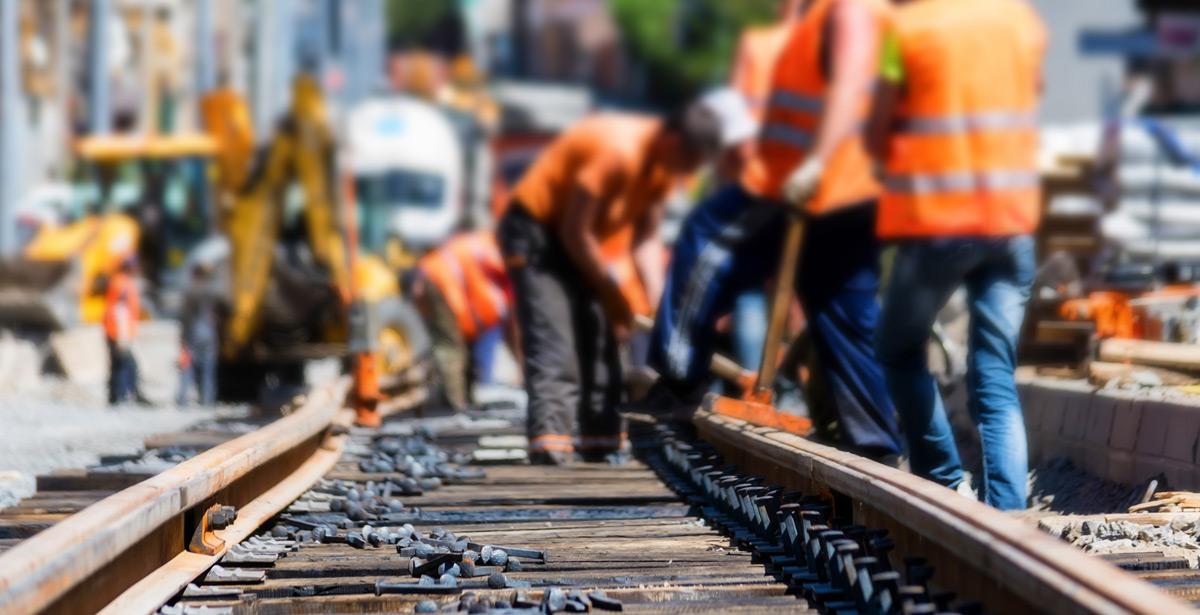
[(982, 554), (87, 561)]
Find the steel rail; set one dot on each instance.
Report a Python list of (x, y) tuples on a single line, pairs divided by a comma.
[(981, 553), (86, 561)]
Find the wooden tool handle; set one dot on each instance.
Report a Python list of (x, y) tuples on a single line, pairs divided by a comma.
[(780, 303)]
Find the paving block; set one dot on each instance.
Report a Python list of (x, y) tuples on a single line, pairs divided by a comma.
[(1075, 422), (1127, 416), (1100, 420), (1120, 467), (1051, 404), (1183, 428), (1152, 431)]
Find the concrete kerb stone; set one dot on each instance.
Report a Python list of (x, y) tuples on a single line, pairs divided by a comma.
[(1152, 431), (1100, 419), (1127, 418)]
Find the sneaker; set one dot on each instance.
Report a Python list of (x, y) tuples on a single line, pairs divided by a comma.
[(964, 489), (549, 458)]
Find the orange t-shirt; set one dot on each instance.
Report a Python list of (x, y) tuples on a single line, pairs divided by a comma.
[(608, 155), (754, 66)]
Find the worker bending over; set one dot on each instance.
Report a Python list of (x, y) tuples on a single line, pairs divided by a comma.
[(463, 292), (122, 305), (596, 193), (957, 130), (811, 161)]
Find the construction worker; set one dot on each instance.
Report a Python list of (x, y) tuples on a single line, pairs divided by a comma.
[(122, 305), (463, 292), (811, 161), (757, 50), (199, 324), (598, 189), (956, 128)]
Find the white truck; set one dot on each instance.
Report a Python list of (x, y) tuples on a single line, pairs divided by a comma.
[(407, 163)]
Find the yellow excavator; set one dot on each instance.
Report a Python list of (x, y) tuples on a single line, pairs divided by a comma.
[(298, 287), (130, 195)]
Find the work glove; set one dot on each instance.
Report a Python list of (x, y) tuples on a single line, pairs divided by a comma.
[(802, 184)]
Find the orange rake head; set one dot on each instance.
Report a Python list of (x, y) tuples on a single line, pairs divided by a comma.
[(758, 412)]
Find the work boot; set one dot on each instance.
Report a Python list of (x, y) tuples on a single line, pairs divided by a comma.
[(666, 399), (549, 458)]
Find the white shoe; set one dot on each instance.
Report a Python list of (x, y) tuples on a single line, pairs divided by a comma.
[(964, 489)]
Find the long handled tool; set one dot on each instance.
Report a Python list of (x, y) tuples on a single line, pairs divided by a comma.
[(756, 406), (720, 365)]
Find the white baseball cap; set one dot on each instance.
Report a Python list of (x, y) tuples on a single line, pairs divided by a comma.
[(733, 112)]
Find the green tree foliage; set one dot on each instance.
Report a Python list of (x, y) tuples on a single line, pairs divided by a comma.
[(685, 45), (410, 22)]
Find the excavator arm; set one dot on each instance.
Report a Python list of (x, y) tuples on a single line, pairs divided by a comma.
[(301, 151)]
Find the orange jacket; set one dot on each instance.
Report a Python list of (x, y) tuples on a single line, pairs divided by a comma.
[(794, 114), (962, 159), (469, 272), (122, 305)]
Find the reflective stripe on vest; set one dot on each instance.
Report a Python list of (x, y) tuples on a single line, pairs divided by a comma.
[(788, 135), (978, 122), (799, 103), (930, 183)]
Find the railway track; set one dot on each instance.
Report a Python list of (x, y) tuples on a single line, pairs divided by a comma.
[(732, 517)]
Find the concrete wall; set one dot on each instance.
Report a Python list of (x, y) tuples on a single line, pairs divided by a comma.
[(1074, 82), (1126, 437)]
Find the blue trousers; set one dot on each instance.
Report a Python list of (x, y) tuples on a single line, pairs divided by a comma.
[(997, 274), (730, 244), (202, 374)]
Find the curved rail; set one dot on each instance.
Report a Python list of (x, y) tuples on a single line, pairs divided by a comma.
[(89, 559), (1005, 564)]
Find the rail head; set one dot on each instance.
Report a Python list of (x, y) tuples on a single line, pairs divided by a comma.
[(1014, 556), (43, 569)]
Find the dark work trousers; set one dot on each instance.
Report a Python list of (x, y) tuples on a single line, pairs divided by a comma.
[(572, 363), (731, 243), (122, 374)]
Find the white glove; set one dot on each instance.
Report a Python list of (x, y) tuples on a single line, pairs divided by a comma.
[(803, 182)]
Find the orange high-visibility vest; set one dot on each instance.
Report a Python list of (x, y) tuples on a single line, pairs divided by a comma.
[(469, 271), (121, 292), (962, 158), (794, 114)]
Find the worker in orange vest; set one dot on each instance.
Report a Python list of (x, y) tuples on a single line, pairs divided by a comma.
[(602, 182), (122, 305), (758, 49), (956, 130), (810, 161), (463, 292)]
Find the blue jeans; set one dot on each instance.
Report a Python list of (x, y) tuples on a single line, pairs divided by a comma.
[(483, 353), (730, 244), (750, 327), (202, 374), (997, 274)]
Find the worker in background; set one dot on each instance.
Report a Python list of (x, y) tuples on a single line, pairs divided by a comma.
[(956, 128), (759, 47), (757, 50), (596, 192), (199, 322), (463, 293), (122, 305), (810, 161)]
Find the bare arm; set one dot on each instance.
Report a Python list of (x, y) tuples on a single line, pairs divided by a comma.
[(648, 253), (855, 57)]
